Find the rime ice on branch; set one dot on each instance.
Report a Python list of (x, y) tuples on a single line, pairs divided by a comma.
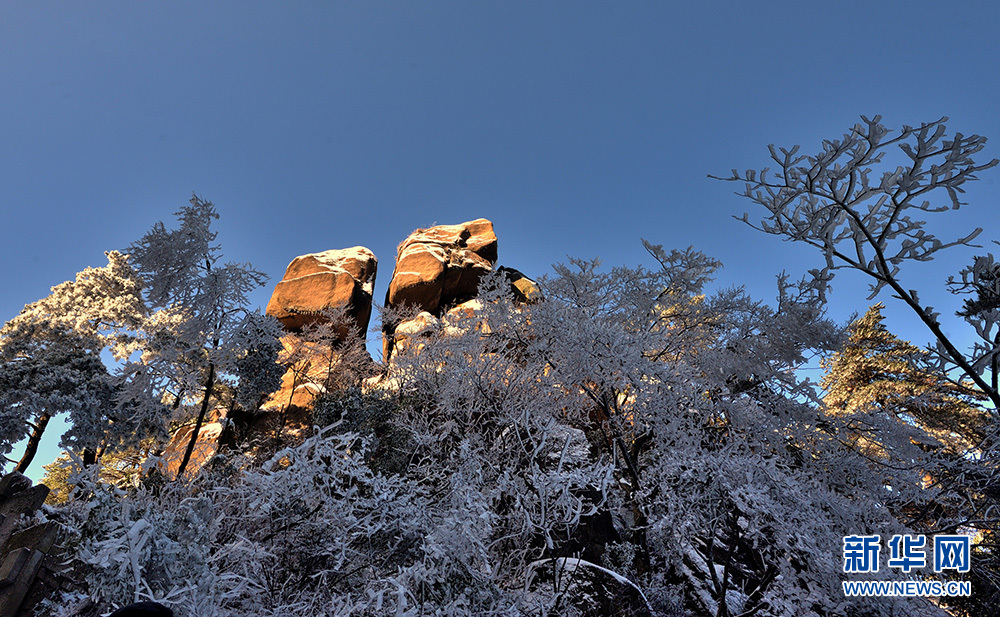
[(865, 215)]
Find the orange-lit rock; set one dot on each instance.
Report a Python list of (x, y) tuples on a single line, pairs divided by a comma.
[(437, 268), (442, 265), (336, 279), (205, 447)]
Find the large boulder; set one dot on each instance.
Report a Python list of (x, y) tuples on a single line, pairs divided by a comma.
[(437, 268), (442, 265), (317, 282)]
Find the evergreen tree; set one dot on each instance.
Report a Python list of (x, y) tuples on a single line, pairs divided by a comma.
[(197, 334), (50, 360), (878, 374)]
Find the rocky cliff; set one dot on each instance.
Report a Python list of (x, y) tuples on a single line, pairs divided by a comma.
[(437, 274)]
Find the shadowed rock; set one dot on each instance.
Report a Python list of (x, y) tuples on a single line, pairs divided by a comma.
[(525, 290)]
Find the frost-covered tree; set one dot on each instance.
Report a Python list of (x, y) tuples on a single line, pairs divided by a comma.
[(50, 360), (884, 401), (257, 367), (325, 356), (122, 467), (631, 444), (199, 308), (867, 212), (43, 378), (878, 374), (868, 215), (174, 319), (702, 434)]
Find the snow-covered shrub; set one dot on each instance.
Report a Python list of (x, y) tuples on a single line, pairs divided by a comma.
[(629, 444)]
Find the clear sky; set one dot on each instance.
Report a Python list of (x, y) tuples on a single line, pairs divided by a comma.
[(577, 127)]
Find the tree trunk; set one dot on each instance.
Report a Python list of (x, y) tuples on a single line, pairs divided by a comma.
[(33, 441), (209, 386)]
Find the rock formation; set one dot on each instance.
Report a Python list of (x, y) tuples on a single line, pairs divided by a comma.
[(205, 447), (23, 548), (313, 283), (339, 280), (525, 290), (437, 268), (442, 265), (437, 272)]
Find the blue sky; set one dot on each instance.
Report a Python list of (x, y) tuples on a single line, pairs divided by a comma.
[(577, 127)]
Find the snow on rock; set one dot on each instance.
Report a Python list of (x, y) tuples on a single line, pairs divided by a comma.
[(442, 265), (439, 267), (316, 282)]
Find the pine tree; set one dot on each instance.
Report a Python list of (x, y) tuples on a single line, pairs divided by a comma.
[(878, 374), (197, 333), (50, 360)]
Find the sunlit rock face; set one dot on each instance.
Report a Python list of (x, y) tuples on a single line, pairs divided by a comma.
[(336, 279), (442, 265), (205, 447), (437, 268)]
